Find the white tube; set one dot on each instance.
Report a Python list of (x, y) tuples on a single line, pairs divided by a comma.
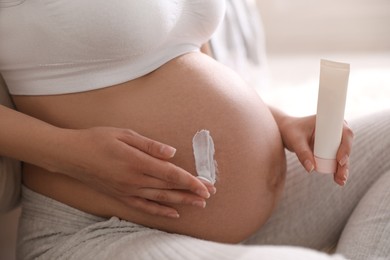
[(332, 96)]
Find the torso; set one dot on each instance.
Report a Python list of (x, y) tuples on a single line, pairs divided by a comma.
[(189, 93)]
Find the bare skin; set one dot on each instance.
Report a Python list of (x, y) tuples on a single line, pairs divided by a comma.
[(170, 105)]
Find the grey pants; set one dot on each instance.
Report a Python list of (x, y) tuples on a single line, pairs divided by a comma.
[(314, 213)]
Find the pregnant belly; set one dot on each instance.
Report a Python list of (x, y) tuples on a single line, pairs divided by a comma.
[(188, 94)]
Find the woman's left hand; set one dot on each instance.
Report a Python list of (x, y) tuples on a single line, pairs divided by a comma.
[(298, 136)]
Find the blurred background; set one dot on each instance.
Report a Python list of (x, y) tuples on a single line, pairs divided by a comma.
[(301, 32)]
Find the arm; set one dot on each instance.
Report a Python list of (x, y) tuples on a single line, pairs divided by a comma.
[(298, 136), (25, 138), (127, 155)]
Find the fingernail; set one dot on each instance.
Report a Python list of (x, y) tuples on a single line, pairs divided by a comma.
[(308, 166), (213, 190), (343, 179), (198, 203), (344, 160), (208, 184), (168, 151), (173, 215), (346, 175), (203, 193)]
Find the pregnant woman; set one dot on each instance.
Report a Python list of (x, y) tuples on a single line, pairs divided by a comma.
[(136, 65), (105, 90)]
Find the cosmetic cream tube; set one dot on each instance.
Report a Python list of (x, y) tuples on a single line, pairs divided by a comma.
[(332, 96)]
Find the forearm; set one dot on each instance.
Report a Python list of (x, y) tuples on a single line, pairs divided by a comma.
[(28, 139)]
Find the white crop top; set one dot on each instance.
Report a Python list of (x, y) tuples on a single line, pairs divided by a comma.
[(66, 46)]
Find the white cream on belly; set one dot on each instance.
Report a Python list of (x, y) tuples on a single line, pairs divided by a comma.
[(203, 146)]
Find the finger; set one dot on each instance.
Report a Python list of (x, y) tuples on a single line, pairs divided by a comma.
[(163, 170), (341, 175), (150, 207), (305, 156), (154, 183), (210, 186), (151, 182), (147, 145), (168, 172), (345, 148), (342, 157), (172, 174), (172, 197)]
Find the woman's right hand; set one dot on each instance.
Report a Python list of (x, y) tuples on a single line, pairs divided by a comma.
[(131, 168)]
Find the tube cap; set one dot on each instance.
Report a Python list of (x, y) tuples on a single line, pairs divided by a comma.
[(325, 165)]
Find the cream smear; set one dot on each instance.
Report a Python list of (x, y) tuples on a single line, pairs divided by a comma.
[(203, 146)]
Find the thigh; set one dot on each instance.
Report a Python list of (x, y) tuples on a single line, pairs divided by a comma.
[(314, 210)]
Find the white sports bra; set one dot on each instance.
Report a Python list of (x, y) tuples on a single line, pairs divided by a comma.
[(65, 46)]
